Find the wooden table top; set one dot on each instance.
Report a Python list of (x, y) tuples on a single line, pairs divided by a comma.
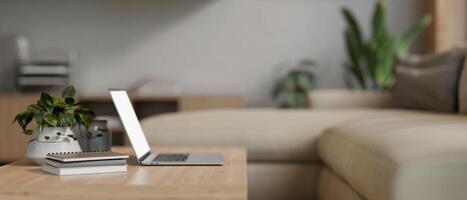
[(24, 180)]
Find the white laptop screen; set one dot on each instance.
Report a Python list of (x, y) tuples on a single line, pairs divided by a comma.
[(130, 122)]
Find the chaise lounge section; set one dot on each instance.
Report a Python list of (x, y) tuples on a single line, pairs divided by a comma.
[(397, 157)]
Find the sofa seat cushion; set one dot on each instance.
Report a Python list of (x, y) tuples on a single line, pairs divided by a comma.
[(268, 134), (399, 157)]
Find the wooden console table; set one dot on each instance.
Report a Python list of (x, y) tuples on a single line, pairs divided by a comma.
[(23, 180), (13, 144)]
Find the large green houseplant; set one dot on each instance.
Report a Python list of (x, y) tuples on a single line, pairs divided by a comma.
[(55, 118), (371, 61)]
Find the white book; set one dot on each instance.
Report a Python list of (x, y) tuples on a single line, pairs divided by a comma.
[(44, 70), (83, 170)]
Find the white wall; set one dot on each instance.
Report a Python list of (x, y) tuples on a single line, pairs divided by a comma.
[(208, 46)]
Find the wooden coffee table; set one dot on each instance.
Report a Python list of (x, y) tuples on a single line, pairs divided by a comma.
[(23, 180)]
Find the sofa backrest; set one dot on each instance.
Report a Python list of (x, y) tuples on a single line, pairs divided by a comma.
[(344, 98), (270, 135)]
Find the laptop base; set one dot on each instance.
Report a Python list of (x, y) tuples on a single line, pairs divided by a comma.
[(193, 159)]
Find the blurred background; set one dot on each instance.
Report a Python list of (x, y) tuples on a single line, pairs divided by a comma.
[(185, 55), (202, 47)]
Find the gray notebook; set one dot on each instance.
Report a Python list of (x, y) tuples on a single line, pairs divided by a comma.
[(86, 156), (85, 163)]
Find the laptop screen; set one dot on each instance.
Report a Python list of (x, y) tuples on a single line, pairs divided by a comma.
[(130, 122)]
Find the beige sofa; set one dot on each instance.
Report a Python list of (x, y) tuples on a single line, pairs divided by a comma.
[(332, 154)]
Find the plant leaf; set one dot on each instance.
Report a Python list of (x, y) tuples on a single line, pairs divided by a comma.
[(18, 116), (45, 102), (354, 46), (34, 108), (355, 53), (70, 101), (24, 119), (27, 119), (304, 82), (58, 104), (378, 22), (51, 120), (408, 37), (384, 75), (352, 25), (46, 99), (68, 92)]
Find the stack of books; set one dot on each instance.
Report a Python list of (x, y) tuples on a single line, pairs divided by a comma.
[(85, 163)]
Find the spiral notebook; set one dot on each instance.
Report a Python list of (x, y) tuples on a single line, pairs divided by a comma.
[(86, 156)]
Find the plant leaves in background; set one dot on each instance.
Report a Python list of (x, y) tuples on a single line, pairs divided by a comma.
[(291, 90), (384, 75), (354, 52), (379, 22), (408, 37), (352, 25), (371, 62)]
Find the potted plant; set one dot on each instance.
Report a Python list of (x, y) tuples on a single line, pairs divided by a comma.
[(371, 62), (290, 90), (55, 117)]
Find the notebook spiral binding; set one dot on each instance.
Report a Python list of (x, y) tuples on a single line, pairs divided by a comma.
[(77, 152)]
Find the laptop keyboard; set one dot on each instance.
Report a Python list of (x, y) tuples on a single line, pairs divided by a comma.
[(172, 157)]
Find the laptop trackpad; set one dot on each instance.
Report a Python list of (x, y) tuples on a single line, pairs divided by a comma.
[(171, 159)]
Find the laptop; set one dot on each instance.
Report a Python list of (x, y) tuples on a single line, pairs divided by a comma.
[(140, 144)]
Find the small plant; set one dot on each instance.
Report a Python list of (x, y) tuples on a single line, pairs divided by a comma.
[(291, 90), (52, 111), (372, 61)]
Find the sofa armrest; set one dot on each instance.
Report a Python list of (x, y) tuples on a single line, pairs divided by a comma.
[(342, 98)]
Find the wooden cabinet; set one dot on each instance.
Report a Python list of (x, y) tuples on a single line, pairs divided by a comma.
[(13, 143)]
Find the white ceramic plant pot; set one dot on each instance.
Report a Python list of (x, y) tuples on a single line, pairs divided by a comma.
[(48, 141)]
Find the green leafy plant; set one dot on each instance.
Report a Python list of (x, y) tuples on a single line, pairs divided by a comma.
[(291, 90), (53, 111), (372, 61)]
